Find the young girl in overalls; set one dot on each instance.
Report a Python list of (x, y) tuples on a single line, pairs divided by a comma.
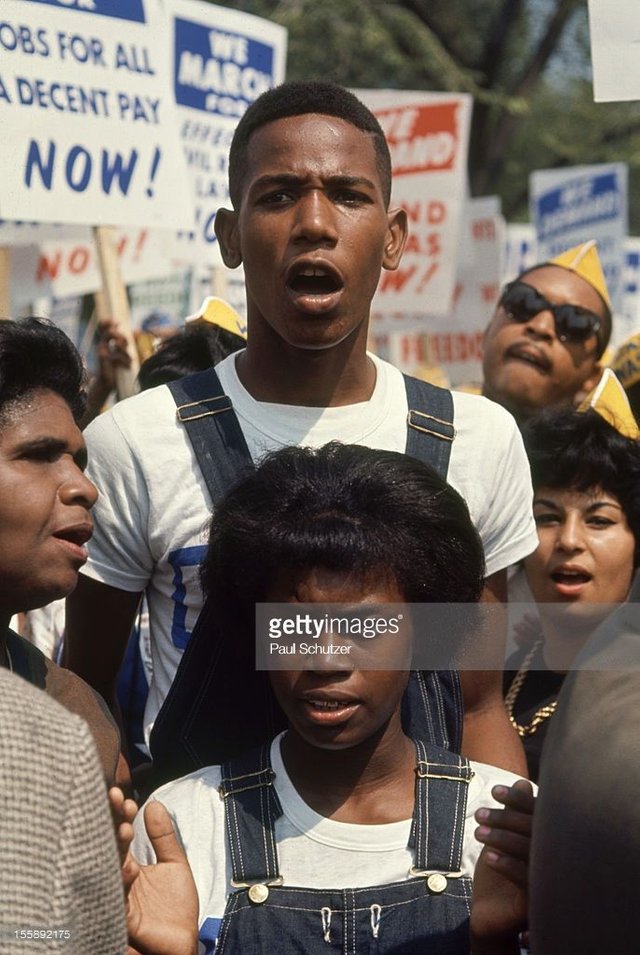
[(342, 834)]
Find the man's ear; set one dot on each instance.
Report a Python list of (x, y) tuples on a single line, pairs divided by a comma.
[(226, 226), (397, 231)]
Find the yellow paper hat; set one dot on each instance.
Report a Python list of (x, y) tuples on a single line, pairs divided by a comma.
[(585, 262), (218, 312), (610, 401), (626, 361)]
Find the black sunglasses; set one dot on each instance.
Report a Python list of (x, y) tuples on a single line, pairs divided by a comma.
[(573, 323)]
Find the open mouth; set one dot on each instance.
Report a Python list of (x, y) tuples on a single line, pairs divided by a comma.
[(74, 539), (314, 282), (570, 577), (529, 356), (315, 288), (570, 583), (75, 535), (329, 711)]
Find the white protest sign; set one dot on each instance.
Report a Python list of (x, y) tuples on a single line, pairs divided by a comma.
[(454, 342), (70, 266), (32, 233), (615, 34), (428, 135), (627, 320), (88, 121), (223, 60), (570, 206), (521, 249)]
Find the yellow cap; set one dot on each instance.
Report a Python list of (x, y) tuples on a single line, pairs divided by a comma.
[(610, 401), (626, 361), (585, 262), (218, 312)]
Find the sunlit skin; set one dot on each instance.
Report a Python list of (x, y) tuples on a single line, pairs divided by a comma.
[(45, 503), (582, 568), (361, 746), (526, 367), (313, 232)]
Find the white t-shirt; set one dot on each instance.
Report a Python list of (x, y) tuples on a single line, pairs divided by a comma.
[(153, 512), (313, 851)]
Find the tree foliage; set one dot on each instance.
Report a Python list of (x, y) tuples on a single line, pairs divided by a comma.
[(526, 63)]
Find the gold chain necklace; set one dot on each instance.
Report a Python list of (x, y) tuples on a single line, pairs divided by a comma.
[(541, 714)]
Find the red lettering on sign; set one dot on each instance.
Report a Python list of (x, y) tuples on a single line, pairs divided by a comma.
[(421, 138), (48, 268), (396, 281), (78, 260)]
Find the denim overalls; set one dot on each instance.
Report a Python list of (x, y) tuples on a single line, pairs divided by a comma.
[(427, 913)]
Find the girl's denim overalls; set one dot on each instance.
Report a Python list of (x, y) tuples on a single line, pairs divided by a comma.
[(427, 913)]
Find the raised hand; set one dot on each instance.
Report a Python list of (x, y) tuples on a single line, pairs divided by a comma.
[(500, 885), (162, 902)]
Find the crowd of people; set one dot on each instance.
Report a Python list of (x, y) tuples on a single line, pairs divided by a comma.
[(348, 800)]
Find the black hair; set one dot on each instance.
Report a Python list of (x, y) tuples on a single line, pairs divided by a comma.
[(341, 508), (298, 99), (580, 450), (604, 334), (192, 349), (36, 355)]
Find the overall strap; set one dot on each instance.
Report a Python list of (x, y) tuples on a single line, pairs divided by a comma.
[(251, 809), (213, 429), (430, 430), (432, 708), (442, 786)]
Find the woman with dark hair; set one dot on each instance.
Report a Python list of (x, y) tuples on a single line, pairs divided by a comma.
[(586, 480), (45, 504)]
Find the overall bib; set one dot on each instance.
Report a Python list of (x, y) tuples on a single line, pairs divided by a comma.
[(426, 914)]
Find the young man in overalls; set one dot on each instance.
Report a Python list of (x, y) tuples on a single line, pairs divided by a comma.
[(310, 183)]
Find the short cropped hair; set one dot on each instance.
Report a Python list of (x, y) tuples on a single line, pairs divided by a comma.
[(191, 350), (36, 355), (342, 508), (607, 319), (298, 99), (581, 451)]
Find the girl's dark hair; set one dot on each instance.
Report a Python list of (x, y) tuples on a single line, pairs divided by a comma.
[(574, 449), (342, 508), (36, 355)]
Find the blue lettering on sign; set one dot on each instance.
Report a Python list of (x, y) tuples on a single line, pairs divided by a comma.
[(217, 71), (208, 935), (120, 9), (578, 204), (631, 273), (179, 559)]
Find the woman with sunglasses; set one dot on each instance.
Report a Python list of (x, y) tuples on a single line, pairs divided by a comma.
[(586, 504), (543, 346)]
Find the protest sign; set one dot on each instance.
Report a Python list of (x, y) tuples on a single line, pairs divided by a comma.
[(167, 296), (453, 342), (428, 136), (521, 249), (223, 60), (70, 266), (570, 206), (615, 35), (627, 320), (88, 120)]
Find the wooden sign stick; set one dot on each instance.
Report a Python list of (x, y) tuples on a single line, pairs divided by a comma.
[(117, 305)]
